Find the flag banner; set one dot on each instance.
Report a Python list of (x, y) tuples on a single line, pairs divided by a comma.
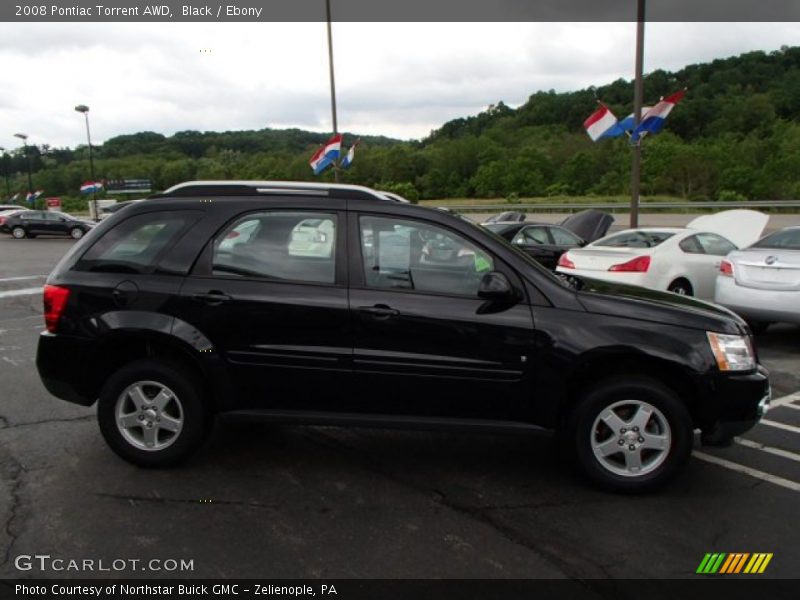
[(91, 186), (629, 123), (15, 197), (349, 157), (326, 155), (602, 124), (32, 196), (653, 120)]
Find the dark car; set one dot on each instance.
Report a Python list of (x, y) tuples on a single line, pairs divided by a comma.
[(544, 242), (165, 318), (30, 223)]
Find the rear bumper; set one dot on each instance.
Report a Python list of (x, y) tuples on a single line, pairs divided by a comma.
[(782, 306), (735, 405), (62, 365)]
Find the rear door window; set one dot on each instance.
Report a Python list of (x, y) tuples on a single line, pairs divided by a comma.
[(278, 245), (136, 244)]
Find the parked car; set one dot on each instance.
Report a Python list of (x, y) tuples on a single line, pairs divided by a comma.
[(506, 217), (680, 260), (762, 282), (153, 319), (545, 242), (5, 207), (30, 223), (5, 214)]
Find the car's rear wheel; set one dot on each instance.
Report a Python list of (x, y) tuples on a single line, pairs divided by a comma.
[(152, 413), (18, 233), (631, 434), (76, 233), (681, 287)]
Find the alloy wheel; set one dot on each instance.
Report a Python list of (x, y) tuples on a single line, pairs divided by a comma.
[(149, 415)]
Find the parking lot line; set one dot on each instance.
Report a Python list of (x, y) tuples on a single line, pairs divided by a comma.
[(779, 425), (22, 292), (769, 449), (785, 400), (774, 479)]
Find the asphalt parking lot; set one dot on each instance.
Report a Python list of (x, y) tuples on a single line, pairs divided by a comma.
[(274, 501)]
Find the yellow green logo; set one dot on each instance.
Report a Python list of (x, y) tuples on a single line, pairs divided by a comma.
[(721, 563)]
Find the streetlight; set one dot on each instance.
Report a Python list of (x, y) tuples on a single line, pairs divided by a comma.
[(82, 108), (24, 138), (5, 171)]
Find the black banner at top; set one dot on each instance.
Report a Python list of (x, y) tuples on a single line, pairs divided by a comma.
[(398, 10)]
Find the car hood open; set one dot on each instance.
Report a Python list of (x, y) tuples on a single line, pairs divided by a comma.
[(742, 227), (589, 225)]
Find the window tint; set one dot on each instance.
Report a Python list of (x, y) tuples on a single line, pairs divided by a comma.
[(787, 238), (414, 255), (562, 237), (134, 245), (291, 246), (635, 239), (532, 235), (691, 246), (715, 244)]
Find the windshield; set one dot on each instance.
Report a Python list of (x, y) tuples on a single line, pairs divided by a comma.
[(788, 239), (635, 239)]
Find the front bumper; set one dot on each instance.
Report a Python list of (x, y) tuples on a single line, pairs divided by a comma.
[(735, 404)]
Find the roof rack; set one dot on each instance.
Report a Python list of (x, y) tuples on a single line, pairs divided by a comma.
[(253, 188)]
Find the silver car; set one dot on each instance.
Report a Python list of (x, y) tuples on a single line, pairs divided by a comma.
[(762, 282)]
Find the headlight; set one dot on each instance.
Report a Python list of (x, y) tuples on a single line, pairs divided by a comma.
[(732, 352)]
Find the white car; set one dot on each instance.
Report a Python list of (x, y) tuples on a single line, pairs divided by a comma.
[(681, 260), (762, 282)]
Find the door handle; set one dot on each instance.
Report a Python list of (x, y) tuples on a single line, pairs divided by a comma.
[(211, 298), (379, 311)]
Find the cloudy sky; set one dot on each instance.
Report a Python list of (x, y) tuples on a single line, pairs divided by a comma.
[(395, 79)]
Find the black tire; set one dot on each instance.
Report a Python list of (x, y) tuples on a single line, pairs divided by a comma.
[(681, 287), (19, 233), (585, 428), (190, 406), (76, 233)]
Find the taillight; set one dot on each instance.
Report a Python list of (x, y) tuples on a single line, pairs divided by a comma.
[(726, 268), (564, 261), (2, 220), (640, 264), (55, 300)]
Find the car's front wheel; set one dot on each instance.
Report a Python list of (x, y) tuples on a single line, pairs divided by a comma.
[(631, 434), (152, 413), (76, 233)]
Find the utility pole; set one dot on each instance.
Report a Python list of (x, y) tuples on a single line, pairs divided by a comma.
[(333, 85), (638, 93)]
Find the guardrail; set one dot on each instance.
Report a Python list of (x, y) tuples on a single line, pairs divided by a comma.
[(623, 206)]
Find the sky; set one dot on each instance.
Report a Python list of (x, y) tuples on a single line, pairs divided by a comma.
[(396, 79)]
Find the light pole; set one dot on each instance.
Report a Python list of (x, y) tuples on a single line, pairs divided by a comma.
[(638, 93), (82, 108), (333, 85), (24, 138), (5, 171)]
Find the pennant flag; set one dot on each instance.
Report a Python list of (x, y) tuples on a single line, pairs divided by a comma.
[(602, 124), (629, 123), (653, 120), (326, 155), (348, 158), (15, 197), (32, 196), (91, 186)]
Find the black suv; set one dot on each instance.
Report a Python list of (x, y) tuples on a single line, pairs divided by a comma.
[(330, 304), (31, 223)]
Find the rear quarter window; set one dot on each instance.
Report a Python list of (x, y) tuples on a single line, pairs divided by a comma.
[(136, 244)]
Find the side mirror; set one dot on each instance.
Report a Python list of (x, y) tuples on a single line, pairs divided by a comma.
[(496, 287)]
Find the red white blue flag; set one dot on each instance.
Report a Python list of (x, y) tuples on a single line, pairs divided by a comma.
[(602, 124), (32, 196), (653, 120), (91, 186), (350, 156), (326, 155)]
